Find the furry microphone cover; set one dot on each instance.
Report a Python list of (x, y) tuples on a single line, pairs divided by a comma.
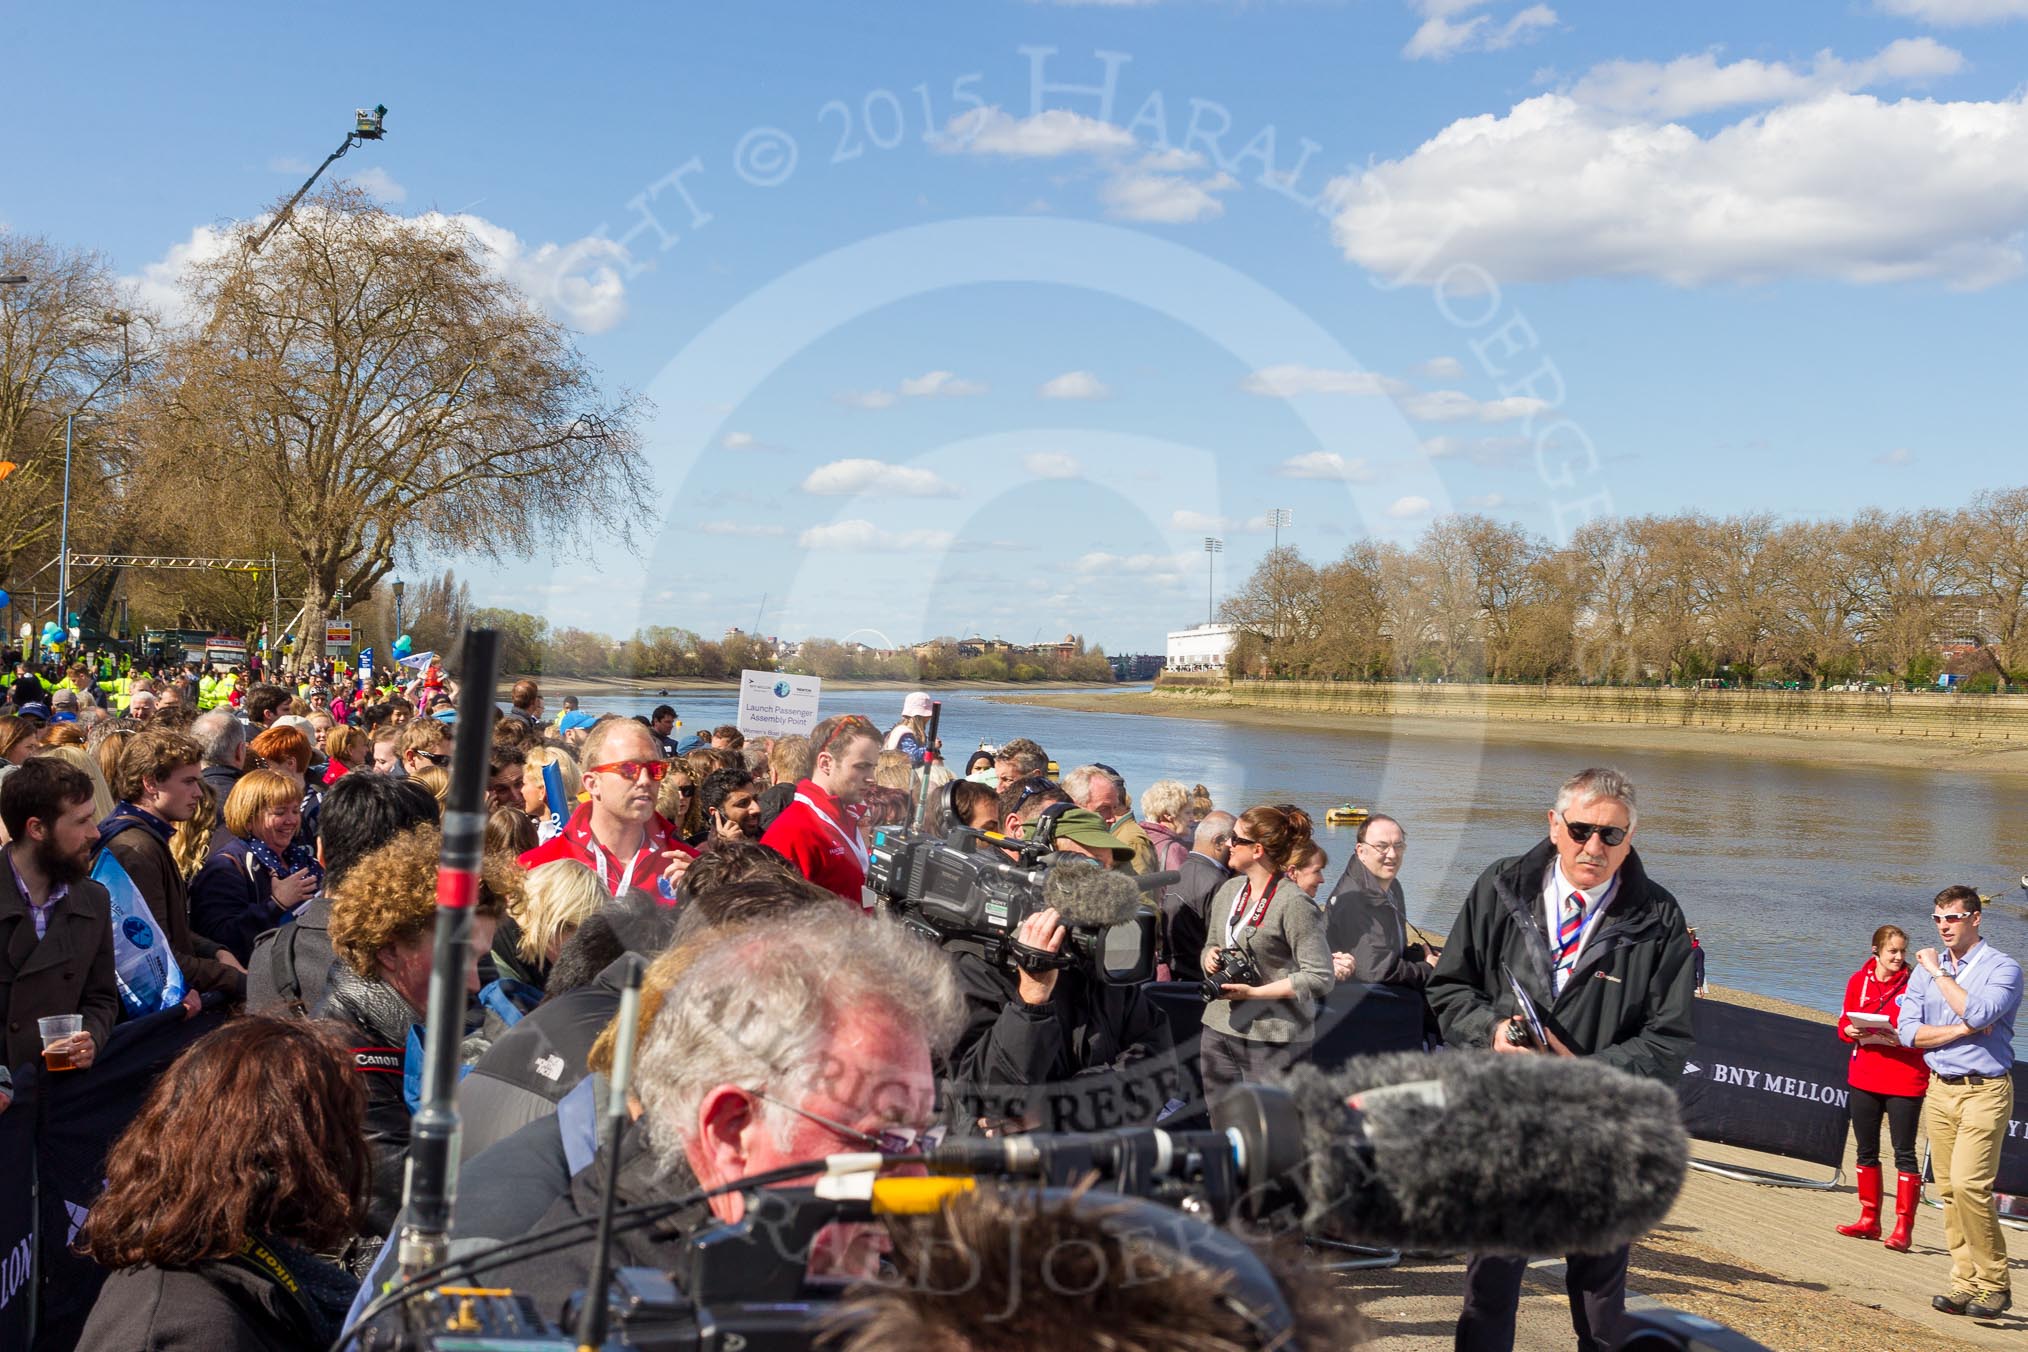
[(1529, 1155)]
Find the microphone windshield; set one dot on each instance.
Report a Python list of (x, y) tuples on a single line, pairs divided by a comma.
[(1088, 896), (1497, 1154)]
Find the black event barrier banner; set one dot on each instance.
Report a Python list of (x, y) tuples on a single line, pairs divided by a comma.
[(1357, 1019), (1776, 1083), (65, 1122)]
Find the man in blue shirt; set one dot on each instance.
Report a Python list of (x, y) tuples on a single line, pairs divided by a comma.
[(1959, 1012)]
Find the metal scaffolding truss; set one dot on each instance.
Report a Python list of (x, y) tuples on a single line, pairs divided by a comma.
[(169, 561)]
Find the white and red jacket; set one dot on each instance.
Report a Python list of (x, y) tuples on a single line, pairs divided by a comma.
[(814, 833), (575, 841)]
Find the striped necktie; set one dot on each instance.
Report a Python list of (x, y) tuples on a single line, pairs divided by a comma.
[(1569, 929)]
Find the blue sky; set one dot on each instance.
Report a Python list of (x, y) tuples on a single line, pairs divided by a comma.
[(978, 355)]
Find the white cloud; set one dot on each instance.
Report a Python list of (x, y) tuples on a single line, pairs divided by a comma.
[(1843, 186), (1408, 508), (844, 477), (1956, 13), (1183, 519), (1483, 451), (1074, 385), (863, 537), (933, 384), (1440, 368), (1486, 502), (579, 283), (1457, 406), (289, 164), (928, 385), (1326, 465), (1046, 135), (1900, 455), (742, 529), (739, 441), (158, 286), (1441, 36), (1141, 192), (1697, 84), (1286, 381), (1051, 465), (378, 182), (1156, 567)]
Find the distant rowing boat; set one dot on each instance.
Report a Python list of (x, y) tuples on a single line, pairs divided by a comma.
[(1345, 814)]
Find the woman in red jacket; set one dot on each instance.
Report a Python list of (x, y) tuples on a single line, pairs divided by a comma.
[(1885, 1077)]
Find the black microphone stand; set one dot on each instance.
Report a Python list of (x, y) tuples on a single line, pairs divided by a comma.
[(430, 1187)]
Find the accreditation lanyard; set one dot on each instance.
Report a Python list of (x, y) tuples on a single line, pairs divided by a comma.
[(1233, 926), (1969, 961), (850, 841)]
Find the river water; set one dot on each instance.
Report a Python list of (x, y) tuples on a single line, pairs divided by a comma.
[(1785, 869)]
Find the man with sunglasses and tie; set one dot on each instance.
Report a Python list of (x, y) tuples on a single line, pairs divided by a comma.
[(1603, 955), (1959, 1013), (618, 834)]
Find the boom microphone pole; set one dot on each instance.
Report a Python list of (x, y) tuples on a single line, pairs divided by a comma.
[(929, 755), (429, 1187)]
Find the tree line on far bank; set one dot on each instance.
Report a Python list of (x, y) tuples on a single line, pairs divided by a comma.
[(437, 610), (1888, 596)]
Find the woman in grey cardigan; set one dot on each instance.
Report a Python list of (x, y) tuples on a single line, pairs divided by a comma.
[(1258, 1028)]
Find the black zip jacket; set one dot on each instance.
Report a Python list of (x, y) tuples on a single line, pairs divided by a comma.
[(378, 1020), (1093, 1057), (1629, 999)]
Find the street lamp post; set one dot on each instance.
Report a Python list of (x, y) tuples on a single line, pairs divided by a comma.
[(399, 587), (63, 536), (1212, 546)]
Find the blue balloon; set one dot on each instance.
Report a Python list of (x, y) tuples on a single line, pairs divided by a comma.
[(50, 633), (403, 646), (4, 599)]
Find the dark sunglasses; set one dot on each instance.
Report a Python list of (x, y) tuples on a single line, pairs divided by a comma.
[(440, 759), (1031, 788), (1582, 831), (1953, 917), (1238, 839)]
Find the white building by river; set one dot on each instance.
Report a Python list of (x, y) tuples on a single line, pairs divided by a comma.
[(1201, 647)]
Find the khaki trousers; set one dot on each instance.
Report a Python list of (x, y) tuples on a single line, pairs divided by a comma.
[(1966, 1124)]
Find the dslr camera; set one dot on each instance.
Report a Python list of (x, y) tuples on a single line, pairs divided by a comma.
[(1235, 966)]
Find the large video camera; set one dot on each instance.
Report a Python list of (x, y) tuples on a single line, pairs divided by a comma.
[(970, 887)]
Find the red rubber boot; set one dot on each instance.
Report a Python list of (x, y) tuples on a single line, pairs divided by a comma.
[(1907, 1196), (1868, 1224)]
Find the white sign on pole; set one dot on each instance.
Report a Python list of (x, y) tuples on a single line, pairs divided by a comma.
[(774, 704)]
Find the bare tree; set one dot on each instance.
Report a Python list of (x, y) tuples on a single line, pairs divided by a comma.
[(1907, 574), (1278, 603), (65, 338), (1996, 566), (369, 382)]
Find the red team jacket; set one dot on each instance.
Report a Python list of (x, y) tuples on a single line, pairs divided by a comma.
[(575, 841), (1881, 1070), (815, 835)]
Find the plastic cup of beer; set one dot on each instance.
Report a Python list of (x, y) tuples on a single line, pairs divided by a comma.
[(54, 1029)]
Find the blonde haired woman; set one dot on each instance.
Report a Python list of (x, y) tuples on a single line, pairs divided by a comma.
[(534, 790)]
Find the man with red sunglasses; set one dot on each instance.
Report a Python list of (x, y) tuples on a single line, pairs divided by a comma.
[(617, 833), (815, 832), (1575, 934)]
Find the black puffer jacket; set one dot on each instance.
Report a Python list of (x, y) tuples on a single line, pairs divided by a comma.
[(1092, 1058), (1628, 1001), (379, 1020)]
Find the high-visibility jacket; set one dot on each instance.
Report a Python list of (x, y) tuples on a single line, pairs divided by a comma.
[(208, 694)]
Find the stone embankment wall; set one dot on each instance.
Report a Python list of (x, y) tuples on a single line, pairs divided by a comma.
[(1991, 719)]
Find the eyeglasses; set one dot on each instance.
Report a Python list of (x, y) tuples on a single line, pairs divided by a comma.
[(633, 769), (1238, 839), (687, 790), (441, 759), (1953, 917), (888, 1141), (1582, 831), (1392, 846), (851, 725), (1031, 788)]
